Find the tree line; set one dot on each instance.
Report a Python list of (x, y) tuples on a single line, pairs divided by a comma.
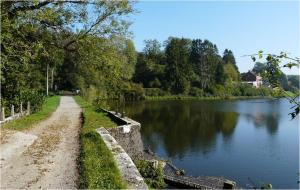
[(49, 46), (185, 66)]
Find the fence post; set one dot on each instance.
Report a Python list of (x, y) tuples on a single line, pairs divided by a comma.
[(21, 108), (2, 118), (28, 108), (12, 111)]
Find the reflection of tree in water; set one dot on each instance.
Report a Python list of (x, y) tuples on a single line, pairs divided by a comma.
[(183, 126)]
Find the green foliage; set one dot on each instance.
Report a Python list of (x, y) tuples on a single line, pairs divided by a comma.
[(133, 91), (238, 90), (293, 82), (80, 42), (196, 92), (178, 70), (231, 73), (277, 79), (152, 174), (48, 107), (98, 168), (149, 71), (183, 64), (155, 92)]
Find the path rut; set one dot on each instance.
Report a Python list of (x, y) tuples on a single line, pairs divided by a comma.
[(46, 155)]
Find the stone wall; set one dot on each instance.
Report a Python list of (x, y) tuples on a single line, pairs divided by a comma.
[(129, 137), (127, 134), (128, 170)]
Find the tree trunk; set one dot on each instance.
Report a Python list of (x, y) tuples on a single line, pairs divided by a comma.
[(47, 81), (52, 79)]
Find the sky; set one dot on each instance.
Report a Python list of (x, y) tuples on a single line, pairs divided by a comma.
[(244, 27)]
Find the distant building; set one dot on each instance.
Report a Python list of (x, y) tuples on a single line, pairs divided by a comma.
[(252, 78)]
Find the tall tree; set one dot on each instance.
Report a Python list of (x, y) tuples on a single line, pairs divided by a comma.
[(178, 69), (204, 58), (228, 57)]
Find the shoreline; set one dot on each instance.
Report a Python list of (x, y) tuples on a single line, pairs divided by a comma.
[(174, 97)]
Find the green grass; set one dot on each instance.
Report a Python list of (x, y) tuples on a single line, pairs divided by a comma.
[(98, 168), (26, 122), (289, 94)]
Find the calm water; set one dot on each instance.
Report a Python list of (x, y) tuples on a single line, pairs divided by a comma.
[(249, 141)]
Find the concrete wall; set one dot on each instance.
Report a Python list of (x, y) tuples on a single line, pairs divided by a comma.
[(128, 170), (128, 135)]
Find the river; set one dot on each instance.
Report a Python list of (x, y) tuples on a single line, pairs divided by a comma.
[(252, 142)]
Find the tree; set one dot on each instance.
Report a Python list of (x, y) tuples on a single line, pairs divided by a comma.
[(150, 65), (230, 72), (204, 58), (220, 73), (259, 68), (152, 48), (178, 69), (274, 74), (39, 36)]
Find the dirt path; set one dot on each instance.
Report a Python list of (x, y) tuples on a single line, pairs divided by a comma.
[(46, 155)]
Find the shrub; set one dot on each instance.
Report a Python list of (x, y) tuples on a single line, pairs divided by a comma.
[(152, 173), (133, 91), (194, 91), (155, 92)]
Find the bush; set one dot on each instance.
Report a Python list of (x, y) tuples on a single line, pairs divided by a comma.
[(219, 91), (133, 91), (152, 173), (35, 98), (248, 90), (194, 91), (155, 92)]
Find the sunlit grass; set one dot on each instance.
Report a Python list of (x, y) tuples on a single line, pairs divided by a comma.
[(48, 107), (98, 168)]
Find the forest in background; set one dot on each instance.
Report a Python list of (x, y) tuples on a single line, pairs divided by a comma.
[(53, 46)]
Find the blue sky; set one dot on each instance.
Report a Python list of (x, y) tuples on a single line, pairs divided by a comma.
[(243, 27)]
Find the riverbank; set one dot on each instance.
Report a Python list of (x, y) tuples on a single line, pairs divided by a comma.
[(178, 97), (97, 166)]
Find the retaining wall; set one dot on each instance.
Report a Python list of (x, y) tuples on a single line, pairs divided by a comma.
[(125, 144)]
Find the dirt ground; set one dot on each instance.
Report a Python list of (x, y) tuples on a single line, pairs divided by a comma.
[(46, 155)]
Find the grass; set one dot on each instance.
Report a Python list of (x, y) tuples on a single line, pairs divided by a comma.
[(26, 122), (98, 168)]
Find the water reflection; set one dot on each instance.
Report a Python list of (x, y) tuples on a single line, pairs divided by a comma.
[(182, 127), (223, 137), (262, 113)]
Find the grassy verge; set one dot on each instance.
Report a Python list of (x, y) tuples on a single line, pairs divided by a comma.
[(98, 168), (178, 97), (48, 108)]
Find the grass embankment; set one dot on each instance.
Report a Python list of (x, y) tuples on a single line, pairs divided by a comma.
[(98, 168), (179, 97), (48, 107)]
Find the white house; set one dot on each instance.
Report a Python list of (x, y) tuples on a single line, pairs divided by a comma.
[(253, 79)]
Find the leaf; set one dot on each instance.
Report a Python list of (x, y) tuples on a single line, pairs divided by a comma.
[(253, 58), (269, 57), (290, 65), (260, 54)]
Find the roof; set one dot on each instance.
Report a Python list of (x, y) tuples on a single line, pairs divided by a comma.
[(249, 76)]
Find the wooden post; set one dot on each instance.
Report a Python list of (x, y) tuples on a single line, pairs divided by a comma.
[(12, 110), (2, 118), (28, 108), (21, 108)]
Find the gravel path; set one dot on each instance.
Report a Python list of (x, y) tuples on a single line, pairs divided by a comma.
[(46, 155)]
